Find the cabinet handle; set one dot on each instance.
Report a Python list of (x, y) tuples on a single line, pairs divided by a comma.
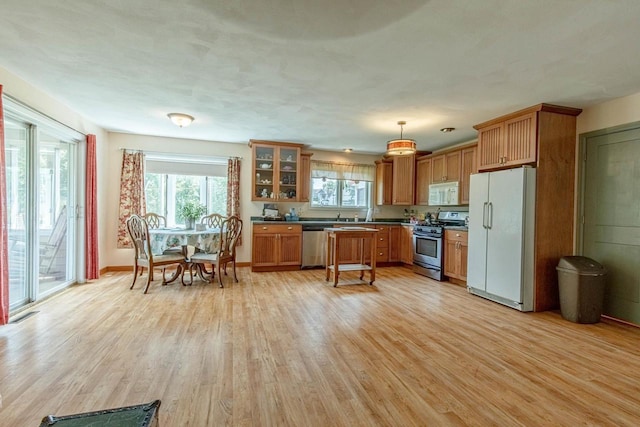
[(289, 228), (264, 228), (381, 239), (457, 234)]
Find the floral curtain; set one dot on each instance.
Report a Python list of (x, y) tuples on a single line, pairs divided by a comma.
[(92, 270), (4, 239), (132, 199), (233, 189)]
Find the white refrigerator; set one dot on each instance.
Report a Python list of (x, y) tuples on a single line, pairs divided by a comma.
[(501, 236)]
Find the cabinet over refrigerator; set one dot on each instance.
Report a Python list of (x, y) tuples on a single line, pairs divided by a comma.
[(501, 236)]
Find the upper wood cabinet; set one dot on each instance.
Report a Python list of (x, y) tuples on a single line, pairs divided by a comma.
[(512, 140), (468, 166), (305, 176), (423, 179), (403, 180), (276, 170), (445, 167), (384, 182)]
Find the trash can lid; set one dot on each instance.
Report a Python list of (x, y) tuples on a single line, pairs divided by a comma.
[(581, 265)]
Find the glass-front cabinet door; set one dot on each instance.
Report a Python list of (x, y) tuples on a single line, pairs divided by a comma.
[(275, 171)]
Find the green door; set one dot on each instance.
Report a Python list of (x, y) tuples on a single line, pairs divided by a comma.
[(611, 233)]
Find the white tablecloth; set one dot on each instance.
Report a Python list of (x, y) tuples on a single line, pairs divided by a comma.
[(163, 239)]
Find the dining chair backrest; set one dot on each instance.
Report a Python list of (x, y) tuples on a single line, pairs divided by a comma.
[(139, 233), (229, 233), (155, 221), (213, 220)]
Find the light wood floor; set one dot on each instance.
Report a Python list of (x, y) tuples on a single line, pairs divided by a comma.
[(288, 349)]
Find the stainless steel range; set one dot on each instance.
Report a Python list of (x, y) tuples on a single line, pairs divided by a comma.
[(427, 250), (428, 241)]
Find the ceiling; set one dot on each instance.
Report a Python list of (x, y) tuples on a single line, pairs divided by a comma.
[(328, 73)]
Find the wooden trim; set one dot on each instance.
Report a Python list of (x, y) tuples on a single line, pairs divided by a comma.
[(458, 282), (283, 143), (450, 149), (550, 108)]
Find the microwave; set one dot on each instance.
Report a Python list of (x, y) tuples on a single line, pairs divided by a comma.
[(444, 194)]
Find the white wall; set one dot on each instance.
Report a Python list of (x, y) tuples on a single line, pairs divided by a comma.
[(616, 112), (42, 102)]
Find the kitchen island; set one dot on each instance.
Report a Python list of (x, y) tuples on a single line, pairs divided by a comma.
[(362, 234)]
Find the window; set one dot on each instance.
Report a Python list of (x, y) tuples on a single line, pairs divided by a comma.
[(341, 185), (171, 181)]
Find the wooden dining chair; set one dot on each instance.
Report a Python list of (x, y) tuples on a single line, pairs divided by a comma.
[(213, 220), (229, 233), (155, 221), (144, 258)]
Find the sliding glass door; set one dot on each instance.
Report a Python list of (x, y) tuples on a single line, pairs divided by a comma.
[(40, 167), (16, 170), (55, 212)]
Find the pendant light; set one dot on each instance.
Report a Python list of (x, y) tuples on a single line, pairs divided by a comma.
[(401, 146)]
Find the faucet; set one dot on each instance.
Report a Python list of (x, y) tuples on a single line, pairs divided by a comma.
[(338, 217)]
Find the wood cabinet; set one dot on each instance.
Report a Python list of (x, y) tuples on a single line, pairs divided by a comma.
[(455, 255), (403, 180), (384, 182), (395, 243), (551, 129), (305, 176), (468, 166), (423, 179), (509, 143), (453, 165), (382, 243), (276, 171), (406, 244), (445, 167), (512, 140), (350, 249), (276, 247)]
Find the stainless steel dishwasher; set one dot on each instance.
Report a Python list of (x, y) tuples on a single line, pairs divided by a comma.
[(313, 245)]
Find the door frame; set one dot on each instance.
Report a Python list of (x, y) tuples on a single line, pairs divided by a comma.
[(582, 171)]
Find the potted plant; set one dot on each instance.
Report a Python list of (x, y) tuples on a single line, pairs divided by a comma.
[(190, 212)]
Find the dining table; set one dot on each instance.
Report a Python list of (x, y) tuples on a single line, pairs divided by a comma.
[(161, 239)]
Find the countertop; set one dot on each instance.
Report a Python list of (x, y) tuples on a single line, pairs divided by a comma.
[(349, 222)]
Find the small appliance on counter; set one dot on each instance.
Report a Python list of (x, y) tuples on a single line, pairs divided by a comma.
[(270, 212)]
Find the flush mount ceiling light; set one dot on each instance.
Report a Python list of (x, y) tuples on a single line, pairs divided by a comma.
[(180, 119), (447, 130), (348, 150), (401, 146)]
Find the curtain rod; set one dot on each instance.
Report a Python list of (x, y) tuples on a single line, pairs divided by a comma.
[(328, 162), (159, 153)]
